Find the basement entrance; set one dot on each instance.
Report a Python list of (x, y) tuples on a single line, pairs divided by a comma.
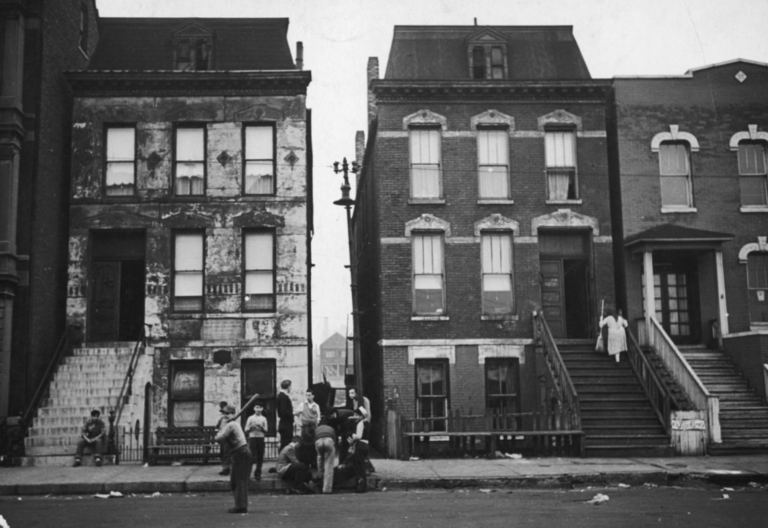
[(116, 286), (566, 283)]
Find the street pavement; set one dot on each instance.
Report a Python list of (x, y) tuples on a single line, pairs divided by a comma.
[(565, 473)]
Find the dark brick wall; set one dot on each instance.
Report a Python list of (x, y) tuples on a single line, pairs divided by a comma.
[(712, 105), (749, 353), (44, 185)]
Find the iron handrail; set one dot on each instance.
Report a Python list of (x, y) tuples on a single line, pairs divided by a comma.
[(561, 379), (64, 346), (116, 413), (658, 393)]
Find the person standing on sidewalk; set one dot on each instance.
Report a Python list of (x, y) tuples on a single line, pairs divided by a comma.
[(309, 416), (285, 414), (325, 443), (91, 436), (226, 463), (256, 429), (233, 436)]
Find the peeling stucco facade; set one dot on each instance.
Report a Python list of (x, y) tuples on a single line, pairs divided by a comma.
[(223, 333)]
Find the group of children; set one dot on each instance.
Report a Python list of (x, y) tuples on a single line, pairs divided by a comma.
[(344, 432)]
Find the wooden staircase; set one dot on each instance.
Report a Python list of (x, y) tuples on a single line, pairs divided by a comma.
[(89, 379), (616, 417), (743, 415)]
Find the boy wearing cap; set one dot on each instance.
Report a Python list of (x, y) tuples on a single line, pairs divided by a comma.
[(256, 429), (226, 463), (232, 435), (92, 436)]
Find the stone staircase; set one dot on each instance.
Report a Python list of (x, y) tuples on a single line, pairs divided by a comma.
[(616, 417), (89, 379), (743, 415)]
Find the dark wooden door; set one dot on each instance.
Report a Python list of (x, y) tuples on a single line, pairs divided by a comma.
[(552, 298), (104, 317)]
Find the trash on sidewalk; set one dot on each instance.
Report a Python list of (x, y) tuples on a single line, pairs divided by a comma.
[(155, 494), (413, 458), (177, 463), (110, 495), (727, 489), (650, 485), (624, 485), (753, 485), (487, 490), (514, 456), (598, 499)]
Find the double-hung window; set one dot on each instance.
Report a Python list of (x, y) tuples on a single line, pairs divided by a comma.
[(188, 266), (497, 63), (493, 162), (120, 177), (675, 172), (752, 173), (259, 162), (432, 393), (501, 383), (498, 296), (185, 405), (560, 147), (189, 162), (425, 163), (259, 271), (428, 277)]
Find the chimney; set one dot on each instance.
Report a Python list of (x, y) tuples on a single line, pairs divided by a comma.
[(359, 152), (373, 74), (300, 55)]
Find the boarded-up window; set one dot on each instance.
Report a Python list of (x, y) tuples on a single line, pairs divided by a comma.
[(497, 274), (493, 163), (259, 159), (428, 297), (752, 173), (185, 406), (188, 262), (674, 168), (259, 273), (560, 148), (121, 161), (425, 163), (189, 161)]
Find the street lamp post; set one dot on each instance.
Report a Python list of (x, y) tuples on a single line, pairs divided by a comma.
[(347, 202)]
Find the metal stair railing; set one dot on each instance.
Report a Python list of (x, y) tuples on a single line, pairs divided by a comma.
[(658, 393), (559, 378)]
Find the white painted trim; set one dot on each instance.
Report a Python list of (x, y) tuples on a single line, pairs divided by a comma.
[(427, 222), (565, 218), (649, 308), (452, 342), (722, 305), (746, 249), (500, 351), (672, 209), (674, 134), (751, 209), (751, 134), (564, 202), (431, 352), (430, 318), (496, 222), (494, 201), (492, 118), (559, 117), (425, 117)]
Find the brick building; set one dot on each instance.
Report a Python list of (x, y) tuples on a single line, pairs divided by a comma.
[(335, 360), (191, 217), (483, 197), (688, 171), (40, 40)]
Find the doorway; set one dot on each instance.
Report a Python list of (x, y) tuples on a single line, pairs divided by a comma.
[(676, 296), (116, 286), (566, 284)]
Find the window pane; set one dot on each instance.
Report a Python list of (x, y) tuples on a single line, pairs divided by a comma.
[(428, 294), (189, 252), (190, 144), (492, 147), (188, 284), (259, 282), (426, 181), (497, 251), (187, 414), (751, 158), (121, 145), (674, 190), (427, 254), (673, 159), (189, 169), (425, 146), (120, 174), (259, 252), (259, 142), (494, 182), (752, 189), (258, 177), (187, 381), (561, 184), (478, 63), (560, 149), (757, 270)]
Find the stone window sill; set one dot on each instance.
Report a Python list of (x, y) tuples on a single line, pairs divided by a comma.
[(672, 209), (506, 317), (430, 318), (564, 202), (495, 201), (427, 201), (754, 209)]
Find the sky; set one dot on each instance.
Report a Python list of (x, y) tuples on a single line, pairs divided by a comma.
[(616, 38)]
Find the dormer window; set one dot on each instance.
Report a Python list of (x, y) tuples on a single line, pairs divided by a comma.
[(192, 48), (487, 54)]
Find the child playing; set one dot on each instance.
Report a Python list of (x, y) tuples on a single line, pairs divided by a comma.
[(309, 417), (256, 429)]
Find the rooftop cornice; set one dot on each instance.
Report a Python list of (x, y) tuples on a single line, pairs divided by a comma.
[(167, 82), (397, 90)]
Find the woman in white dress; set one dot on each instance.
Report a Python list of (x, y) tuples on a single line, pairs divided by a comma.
[(617, 337)]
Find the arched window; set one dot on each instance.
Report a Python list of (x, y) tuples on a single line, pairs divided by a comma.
[(752, 173), (675, 173)]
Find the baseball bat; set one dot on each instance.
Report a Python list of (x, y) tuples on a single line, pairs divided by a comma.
[(250, 402)]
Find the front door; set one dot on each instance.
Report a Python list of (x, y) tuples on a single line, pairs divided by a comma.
[(104, 318), (676, 297)]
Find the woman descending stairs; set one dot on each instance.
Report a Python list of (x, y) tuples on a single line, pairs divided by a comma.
[(616, 417)]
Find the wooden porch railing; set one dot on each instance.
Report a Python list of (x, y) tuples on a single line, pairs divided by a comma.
[(656, 337), (657, 392), (558, 376)]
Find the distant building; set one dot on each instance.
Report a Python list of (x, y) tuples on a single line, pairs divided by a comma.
[(483, 197), (336, 359)]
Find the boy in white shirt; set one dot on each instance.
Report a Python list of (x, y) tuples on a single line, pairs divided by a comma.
[(256, 428)]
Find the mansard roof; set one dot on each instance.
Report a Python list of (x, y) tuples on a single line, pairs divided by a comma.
[(142, 44), (534, 53)]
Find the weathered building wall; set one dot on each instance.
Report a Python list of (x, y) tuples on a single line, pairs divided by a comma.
[(223, 213)]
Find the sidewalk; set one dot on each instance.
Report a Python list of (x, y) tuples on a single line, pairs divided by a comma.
[(398, 474)]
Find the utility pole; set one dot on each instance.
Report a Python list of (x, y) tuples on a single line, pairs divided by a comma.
[(347, 202)]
